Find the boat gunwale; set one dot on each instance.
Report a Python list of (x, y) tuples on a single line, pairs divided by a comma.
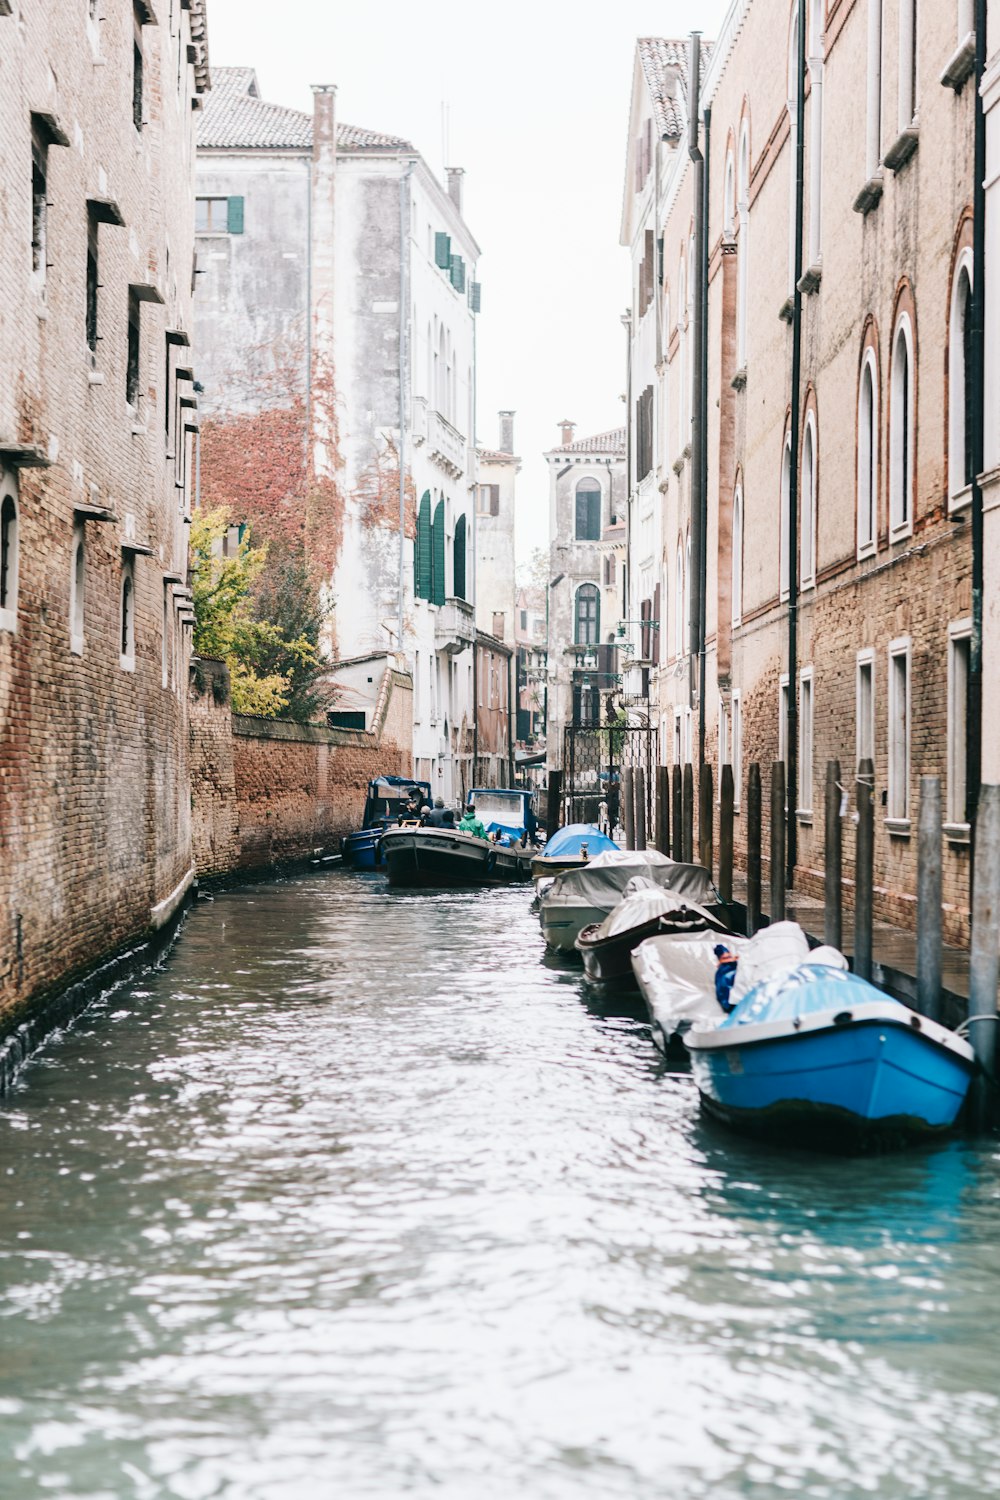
[(873, 1013)]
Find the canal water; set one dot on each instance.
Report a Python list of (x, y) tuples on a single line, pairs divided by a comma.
[(357, 1196)]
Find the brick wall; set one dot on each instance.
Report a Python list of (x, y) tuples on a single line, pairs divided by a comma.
[(214, 816)]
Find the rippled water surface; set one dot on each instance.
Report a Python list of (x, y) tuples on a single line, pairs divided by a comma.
[(358, 1197)]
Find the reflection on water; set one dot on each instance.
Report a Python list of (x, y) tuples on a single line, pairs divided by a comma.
[(356, 1197)]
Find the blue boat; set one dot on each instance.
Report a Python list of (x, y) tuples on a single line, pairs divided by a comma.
[(387, 798), (506, 813), (569, 848), (818, 1056)]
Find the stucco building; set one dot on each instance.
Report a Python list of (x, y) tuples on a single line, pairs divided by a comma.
[(96, 478), (495, 523), (815, 583), (336, 307)]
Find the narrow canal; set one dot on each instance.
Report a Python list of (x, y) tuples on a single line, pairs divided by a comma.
[(357, 1197)]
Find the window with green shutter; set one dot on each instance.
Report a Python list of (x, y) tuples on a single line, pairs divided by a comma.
[(235, 216), (422, 549), (459, 558), (437, 593), (458, 273), (442, 250)]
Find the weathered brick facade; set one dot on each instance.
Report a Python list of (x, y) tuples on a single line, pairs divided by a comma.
[(96, 239)]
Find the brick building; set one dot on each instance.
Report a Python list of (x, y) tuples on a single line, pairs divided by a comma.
[(96, 240), (872, 562)]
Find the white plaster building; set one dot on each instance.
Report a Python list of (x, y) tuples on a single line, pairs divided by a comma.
[(495, 507), (336, 308)]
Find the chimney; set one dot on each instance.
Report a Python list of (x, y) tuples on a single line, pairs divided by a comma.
[(322, 217), (454, 176), (507, 432), (568, 429)]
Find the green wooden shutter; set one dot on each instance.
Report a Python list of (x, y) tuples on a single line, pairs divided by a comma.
[(458, 273), (442, 250), (476, 296), (437, 556), (459, 569), (422, 549), (234, 216)]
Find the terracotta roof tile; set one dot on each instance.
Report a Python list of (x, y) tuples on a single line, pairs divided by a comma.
[(236, 116), (602, 442), (665, 64)]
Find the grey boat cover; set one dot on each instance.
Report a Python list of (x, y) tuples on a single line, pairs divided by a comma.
[(602, 882), (645, 902), (676, 974)]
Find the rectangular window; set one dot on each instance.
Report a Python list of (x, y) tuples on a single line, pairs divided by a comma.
[(39, 201), (92, 284), (736, 736), (865, 707), (211, 215), (524, 619), (783, 718), (724, 751), (489, 500), (959, 645), (137, 87), (806, 741), (898, 798), (134, 362)]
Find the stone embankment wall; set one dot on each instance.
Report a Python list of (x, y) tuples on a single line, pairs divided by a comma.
[(267, 791)]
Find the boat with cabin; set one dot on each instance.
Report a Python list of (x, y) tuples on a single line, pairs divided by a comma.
[(415, 855), (385, 803)]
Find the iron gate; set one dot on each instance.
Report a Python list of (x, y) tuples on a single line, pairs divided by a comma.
[(593, 760)]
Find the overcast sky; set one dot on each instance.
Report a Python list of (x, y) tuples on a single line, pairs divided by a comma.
[(537, 97)]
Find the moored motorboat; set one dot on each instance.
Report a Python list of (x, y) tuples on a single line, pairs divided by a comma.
[(416, 856), (817, 1055), (581, 898), (645, 910), (570, 848), (386, 800)]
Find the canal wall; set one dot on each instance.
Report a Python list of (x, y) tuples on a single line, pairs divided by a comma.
[(267, 792)]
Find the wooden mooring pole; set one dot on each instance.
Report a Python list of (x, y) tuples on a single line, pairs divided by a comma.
[(628, 806), (553, 799), (929, 898), (726, 800), (705, 817), (639, 786), (984, 959), (677, 799), (833, 916), (754, 816), (864, 871), (663, 809), (777, 909), (687, 829)]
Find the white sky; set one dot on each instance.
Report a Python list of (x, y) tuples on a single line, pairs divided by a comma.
[(538, 97)]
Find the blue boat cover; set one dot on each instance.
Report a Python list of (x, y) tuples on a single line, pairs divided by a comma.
[(803, 992), (565, 842)]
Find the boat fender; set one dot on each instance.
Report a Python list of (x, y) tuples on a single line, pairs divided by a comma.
[(491, 860), (843, 1018)]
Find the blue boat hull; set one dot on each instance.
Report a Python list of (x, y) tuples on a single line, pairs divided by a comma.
[(846, 1086), (361, 849)]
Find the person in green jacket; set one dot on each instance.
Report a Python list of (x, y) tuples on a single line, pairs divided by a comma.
[(471, 824)]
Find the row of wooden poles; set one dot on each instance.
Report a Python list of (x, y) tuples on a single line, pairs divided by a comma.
[(672, 832)]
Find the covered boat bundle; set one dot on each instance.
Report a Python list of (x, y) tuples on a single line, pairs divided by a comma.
[(415, 856), (385, 802), (646, 909), (817, 1055), (675, 972), (582, 898), (570, 848)]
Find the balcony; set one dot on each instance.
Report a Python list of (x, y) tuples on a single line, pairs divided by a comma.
[(454, 626), (418, 423), (446, 445)]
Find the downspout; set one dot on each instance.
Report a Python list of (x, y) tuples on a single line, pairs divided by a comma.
[(510, 723), (696, 606), (404, 320), (475, 705), (310, 453), (627, 581), (473, 448), (792, 747), (703, 283), (977, 351)]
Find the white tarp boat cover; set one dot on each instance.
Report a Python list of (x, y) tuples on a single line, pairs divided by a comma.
[(601, 883), (676, 974), (645, 903), (776, 950)]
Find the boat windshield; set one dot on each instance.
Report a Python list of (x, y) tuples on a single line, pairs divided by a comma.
[(505, 809)]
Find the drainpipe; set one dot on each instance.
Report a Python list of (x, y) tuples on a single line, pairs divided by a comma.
[(404, 321), (699, 390), (792, 747), (510, 723), (475, 705), (627, 581), (977, 349)]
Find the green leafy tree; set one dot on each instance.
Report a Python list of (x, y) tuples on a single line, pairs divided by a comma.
[(286, 597)]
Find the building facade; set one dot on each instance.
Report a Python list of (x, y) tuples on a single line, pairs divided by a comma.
[(530, 669), (816, 567), (96, 479), (495, 524), (336, 309), (494, 744)]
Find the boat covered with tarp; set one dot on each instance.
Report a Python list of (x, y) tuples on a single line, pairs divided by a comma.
[(386, 801), (581, 898), (645, 910), (676, 974), (570, 848)]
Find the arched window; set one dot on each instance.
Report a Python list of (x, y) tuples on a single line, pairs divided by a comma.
[(165, 640), (815, 132), (743, 261), (588, 615), (128, 617), (441, 364), (807, 509), (873, 129), (867, 456), (784, 574), (78, 588), (960, 463), (8, 552), (687, 589), (794, 125), (682, 420), (737, 583), (901, 431), (729, 199), (422, 549), (588, 511), (907, 63), (458, 547)]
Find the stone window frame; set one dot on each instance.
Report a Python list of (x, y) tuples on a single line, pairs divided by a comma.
[(869, 365), (864, 718), (784, 507), (959, 488), (809, 566), (899, 737), (744, 174), (78, 590), (736, 546), (807, 744), (902, 493), (9, 549), (126, 614), (956, 826)]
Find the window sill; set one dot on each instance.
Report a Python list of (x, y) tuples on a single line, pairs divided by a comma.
[(804, 815), (902, 148), (899, 534), (897, 828), (8, 620), (127, 663), (956, 833), (739, 380), (960, 500), (786, 311), (76, 645), (809, 281), (95, 377), (138, 430), (960, 64), (869, 195), (867, 552)]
